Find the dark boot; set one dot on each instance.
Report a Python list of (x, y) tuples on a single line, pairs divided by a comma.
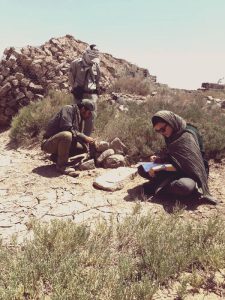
[(53, 157), (209, 199), (148, 188), (206, 198)]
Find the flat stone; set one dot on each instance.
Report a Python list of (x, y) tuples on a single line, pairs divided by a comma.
[(115, 179), (35, 87)]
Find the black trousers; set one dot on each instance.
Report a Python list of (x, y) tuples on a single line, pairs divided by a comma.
[(168, 182)]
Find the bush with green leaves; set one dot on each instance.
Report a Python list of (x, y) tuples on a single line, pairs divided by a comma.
[(135, 130), (116, 261), (28, 125), (132, 127)]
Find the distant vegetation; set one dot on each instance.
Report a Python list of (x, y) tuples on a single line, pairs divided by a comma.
[(132, 85), (133, 127), (130, 260), (126, 261)]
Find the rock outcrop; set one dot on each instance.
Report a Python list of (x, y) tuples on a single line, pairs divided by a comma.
[(215, 103), (29, 73), (215, 86)]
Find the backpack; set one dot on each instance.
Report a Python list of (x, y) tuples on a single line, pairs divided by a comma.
[(195, 132)]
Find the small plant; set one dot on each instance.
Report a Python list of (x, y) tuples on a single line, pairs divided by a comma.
[(182, 290)]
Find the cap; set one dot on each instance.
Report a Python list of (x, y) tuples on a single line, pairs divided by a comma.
[(88, 104)]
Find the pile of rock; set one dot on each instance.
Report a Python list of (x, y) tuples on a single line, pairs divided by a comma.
[(121, 100), (107, 155), (29, 73), (214, 86), (215, 103)]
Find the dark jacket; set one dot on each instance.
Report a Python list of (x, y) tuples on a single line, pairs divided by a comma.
[(67, 119)]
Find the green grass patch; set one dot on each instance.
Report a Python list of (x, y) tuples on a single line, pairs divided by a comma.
[(130, 260)]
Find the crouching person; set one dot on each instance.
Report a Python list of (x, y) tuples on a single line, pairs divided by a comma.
[(64, 135), (181, 170)]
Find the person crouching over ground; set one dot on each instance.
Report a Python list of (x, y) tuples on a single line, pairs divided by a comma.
[(182, 170), (64, 135)]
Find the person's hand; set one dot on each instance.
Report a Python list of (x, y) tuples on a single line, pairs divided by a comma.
[(89, 140), (153, 158), (98, 91)]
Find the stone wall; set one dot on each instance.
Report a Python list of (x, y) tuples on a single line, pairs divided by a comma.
[(215, 86), (29, 73)]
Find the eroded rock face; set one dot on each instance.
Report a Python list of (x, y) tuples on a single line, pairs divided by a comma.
[(28, 74), (215, 86), (214, 103)]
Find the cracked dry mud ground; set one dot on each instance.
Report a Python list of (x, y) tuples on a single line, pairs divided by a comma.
[(31, 188)]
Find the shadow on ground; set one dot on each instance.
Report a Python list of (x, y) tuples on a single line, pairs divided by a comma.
[(48, 171), (169, 203)]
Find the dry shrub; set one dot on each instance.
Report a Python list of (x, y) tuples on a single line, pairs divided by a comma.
[(126, 260), (28, 125), (132, 127), (132, 85), (135, 130)]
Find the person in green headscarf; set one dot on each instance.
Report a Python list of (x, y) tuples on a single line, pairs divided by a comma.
[(183, 171)]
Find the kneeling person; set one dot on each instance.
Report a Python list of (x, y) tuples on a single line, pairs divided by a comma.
[(64, 134)]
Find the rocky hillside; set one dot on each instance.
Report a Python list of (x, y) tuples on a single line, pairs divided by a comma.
[(28, 74)]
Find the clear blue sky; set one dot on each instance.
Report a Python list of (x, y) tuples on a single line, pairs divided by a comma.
[(182, 42)]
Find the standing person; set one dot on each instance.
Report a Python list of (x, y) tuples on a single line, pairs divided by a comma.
[(182, 170), (84, 77), (64, 135)]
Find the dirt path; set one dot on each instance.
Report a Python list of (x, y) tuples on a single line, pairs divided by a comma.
[(31, 188)]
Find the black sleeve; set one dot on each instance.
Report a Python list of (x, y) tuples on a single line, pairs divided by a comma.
[(67, 122), (66, 119)]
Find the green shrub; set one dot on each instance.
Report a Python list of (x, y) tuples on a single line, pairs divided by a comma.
[(130, 260), (27, 127), (132, 127), (135, 130)]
